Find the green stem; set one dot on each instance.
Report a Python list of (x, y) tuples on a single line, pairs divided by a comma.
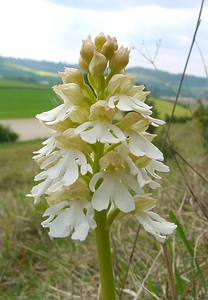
[(104, 257), (103, 241)]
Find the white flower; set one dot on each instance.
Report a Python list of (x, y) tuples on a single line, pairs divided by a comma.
[(72, 97), (139, 145), (63, 166), (127, 103), (116, 184), (57, 114), (91, 132), (115, 188), (155, 165), (70, 217), (40, 189), (127, 97), (155, 225), (141, 165), (100, 127), (151, 221), (47, 149), (64, 170)]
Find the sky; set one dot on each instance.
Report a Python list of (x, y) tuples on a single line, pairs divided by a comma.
[(53, 30)]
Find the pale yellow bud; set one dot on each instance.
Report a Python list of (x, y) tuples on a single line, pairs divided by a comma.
[(69, 92), (98, 64), (83, 64), (100, 40), (87, 50), (119, 60), (71, 75), (109, 47)]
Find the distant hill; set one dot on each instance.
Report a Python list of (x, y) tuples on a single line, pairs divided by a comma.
[(165, 84), (160, 83), (31, 70)]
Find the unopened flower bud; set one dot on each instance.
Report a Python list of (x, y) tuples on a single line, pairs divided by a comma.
[(83, 64), (87, 50), (71, 75), (100, 40), (109, 47), (98, 64), (119, 60)]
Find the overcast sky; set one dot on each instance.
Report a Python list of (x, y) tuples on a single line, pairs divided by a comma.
[(53, 30)]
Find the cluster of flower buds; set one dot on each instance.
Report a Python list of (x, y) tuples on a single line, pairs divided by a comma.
[(100, 155), (94, 57)]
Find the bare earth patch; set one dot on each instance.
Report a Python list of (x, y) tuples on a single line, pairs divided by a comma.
[(28, 129)]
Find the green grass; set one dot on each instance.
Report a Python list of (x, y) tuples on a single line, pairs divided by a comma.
[(25, 102), (35, 267), (164, 107), (10, 83)]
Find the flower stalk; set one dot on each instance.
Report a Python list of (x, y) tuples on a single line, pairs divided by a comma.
[(104, 256)]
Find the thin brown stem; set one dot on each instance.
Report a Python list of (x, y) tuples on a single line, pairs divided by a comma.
[(183, 74), (170, 271), (130, 260)]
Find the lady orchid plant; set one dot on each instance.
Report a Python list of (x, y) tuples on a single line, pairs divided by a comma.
[(100, 158)]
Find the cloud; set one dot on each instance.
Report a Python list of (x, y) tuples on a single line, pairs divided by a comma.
[(44, 30), (118, 5)]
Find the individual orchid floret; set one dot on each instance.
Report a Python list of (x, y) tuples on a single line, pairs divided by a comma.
[(39, 190), (119, 89), (63, 166), (49, 146), (72, 97), (134, 126), (151, 221), (150, 167), (70, 212), (56, 115), (155, 166), (142, 167), (100, 128), (115, 186)]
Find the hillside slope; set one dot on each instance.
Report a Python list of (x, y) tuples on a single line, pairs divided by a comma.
[(160, 83)]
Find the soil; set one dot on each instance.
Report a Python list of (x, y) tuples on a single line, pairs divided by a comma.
[(28, 129)]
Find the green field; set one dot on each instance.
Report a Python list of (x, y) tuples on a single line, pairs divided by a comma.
[(19, 99), (164, 108), (24, 100)]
